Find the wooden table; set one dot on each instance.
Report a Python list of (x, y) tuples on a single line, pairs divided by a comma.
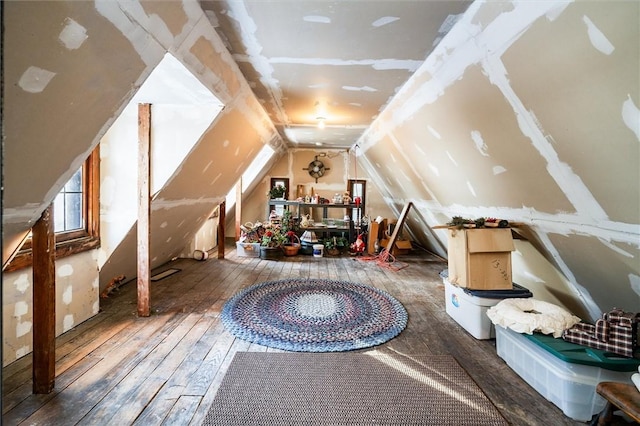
[(619, 396)]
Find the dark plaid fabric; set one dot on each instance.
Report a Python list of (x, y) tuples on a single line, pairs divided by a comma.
[(616, 331), (602, 330)]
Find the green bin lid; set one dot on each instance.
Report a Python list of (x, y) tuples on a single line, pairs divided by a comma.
[(579, 354)]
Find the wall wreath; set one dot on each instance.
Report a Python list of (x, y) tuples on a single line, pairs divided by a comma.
[(316, 169)]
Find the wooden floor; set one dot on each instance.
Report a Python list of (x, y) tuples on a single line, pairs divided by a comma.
[(119, 369)]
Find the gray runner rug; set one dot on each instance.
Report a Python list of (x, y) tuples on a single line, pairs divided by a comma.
[(347, 388)]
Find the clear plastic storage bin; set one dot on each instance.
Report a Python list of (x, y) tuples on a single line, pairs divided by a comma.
[(564, 373), (248, 249)]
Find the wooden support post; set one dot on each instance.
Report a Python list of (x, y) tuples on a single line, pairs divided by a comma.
[(238, 208), (144, 207), (222, 218), (44, 303)]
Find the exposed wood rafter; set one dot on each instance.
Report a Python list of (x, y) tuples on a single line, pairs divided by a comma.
[(44, 303), (144, 207), (222, 218)]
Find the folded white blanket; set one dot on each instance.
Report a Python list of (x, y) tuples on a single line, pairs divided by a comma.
[(529, 315)]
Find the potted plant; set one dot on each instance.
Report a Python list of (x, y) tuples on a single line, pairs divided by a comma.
[(342, 244), (289, 222), (277, 192), (291, 244), (331, 246), (271, 244)]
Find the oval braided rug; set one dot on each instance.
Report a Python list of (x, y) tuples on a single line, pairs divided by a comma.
[(314, 315)]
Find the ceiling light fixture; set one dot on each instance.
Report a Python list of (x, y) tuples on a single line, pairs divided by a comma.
[(321, 122)]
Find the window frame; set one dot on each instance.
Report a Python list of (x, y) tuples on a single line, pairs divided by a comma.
[(281, 180), (79, 240), (284, 182), (357, 212)]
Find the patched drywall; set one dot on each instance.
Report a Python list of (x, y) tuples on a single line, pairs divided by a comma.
[(295, 56), (184, 203), (612, 265), (571, 103), (475, 150), (74, 68), (52, 121), (503, 120), (41, 129), (533, 271), (398, 175), (76, 301)]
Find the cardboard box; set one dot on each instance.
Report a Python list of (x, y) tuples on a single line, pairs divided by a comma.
[(401, 247), (480, 259)]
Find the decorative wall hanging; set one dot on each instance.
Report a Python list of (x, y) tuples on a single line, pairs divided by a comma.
[(316, 169)]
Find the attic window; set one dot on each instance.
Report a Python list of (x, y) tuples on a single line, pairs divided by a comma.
[(357, 188), (251, 173), (68, 206), (76, 215)]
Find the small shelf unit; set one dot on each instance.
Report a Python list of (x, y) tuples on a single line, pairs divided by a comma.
[(326, 229)]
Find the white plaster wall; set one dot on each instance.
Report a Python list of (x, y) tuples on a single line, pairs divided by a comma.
[(181, 110), (118, 177), (533, 271), (204, 240), (175, 130), (76, 301)]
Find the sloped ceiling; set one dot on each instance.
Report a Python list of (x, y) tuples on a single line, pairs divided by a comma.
[(340, 60), (528, 111)]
